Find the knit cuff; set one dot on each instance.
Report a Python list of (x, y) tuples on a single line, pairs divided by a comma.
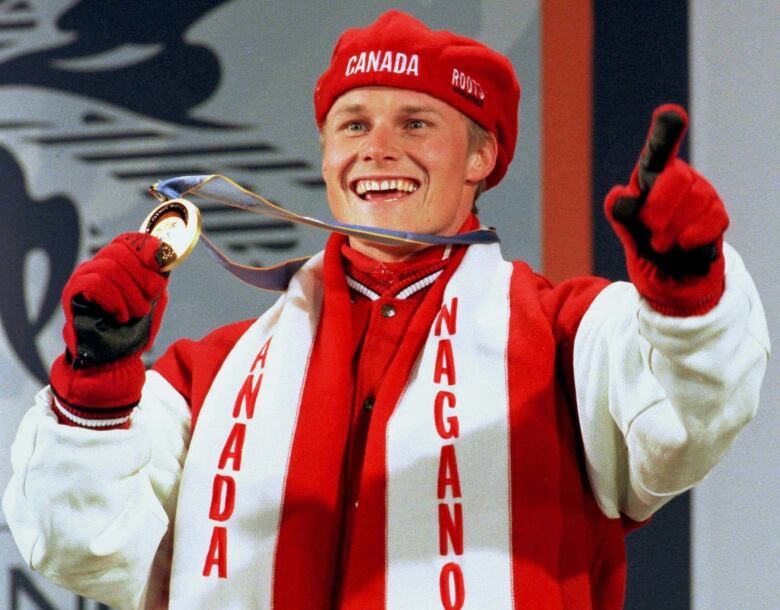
[(100, 396), (86, 417)]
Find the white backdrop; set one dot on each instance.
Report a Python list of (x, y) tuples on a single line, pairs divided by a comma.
[(735, 125)]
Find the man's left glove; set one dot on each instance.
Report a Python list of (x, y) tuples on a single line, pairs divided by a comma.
[(671, 222)]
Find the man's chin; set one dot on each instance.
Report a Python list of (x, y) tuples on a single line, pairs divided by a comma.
[(383, 252)]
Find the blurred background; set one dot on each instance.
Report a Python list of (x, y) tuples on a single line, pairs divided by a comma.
[(98, 100)]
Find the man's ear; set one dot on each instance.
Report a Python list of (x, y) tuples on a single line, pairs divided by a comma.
[(482, 160)]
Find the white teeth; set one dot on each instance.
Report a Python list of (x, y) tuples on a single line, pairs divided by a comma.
[(364, 186)]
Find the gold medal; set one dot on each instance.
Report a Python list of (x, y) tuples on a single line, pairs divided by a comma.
[(177, 223)]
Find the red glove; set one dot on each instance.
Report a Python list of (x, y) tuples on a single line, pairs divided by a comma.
[(113, 306), (670, 221)]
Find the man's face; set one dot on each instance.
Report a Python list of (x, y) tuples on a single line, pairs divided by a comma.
[(399, 159)]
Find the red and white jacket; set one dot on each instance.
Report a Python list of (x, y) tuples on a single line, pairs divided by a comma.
[(519, 430)]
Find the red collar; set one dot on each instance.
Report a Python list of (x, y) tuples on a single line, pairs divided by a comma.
[(389, 278)]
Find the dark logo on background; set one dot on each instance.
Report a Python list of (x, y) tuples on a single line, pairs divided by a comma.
[(50, 226), (138, 80), (131, 54)]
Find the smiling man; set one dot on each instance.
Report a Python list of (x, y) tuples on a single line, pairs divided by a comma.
[(409, 426)]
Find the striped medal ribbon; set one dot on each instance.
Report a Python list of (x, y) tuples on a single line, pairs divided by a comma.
[(176, 214)]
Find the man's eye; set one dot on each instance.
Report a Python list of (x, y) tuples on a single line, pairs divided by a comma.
[(416, 124), (354, 126)]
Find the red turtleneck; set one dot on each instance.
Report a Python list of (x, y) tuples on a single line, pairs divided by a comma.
[(385, 297)]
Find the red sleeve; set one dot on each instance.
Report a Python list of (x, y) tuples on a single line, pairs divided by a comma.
[(564, 305), (190, 366)]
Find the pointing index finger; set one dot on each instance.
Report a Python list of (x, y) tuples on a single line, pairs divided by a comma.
[(667, 129)]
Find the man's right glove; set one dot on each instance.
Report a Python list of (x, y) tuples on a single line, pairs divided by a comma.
[(113, 305)]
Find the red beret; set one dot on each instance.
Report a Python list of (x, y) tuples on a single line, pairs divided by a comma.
[(400, 51)]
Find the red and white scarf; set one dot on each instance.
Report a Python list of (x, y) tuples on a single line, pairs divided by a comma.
[(435, 528)]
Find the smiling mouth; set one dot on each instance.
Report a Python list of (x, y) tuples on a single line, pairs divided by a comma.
[(388, 189)]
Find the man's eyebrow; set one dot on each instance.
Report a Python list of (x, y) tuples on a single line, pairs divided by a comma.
[(351, 109), (419, 110)]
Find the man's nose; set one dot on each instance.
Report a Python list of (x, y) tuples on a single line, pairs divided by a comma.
[(381, 144)]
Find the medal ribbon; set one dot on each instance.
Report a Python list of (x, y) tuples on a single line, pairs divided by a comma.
[(223, 190)]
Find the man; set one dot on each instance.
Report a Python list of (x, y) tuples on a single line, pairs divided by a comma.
[(407, 427)]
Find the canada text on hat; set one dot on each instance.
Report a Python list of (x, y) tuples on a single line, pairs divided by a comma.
[(400, 51), (383, 61)]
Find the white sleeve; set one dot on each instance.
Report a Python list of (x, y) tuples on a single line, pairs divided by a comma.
[(89, 508), (660, 399)]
